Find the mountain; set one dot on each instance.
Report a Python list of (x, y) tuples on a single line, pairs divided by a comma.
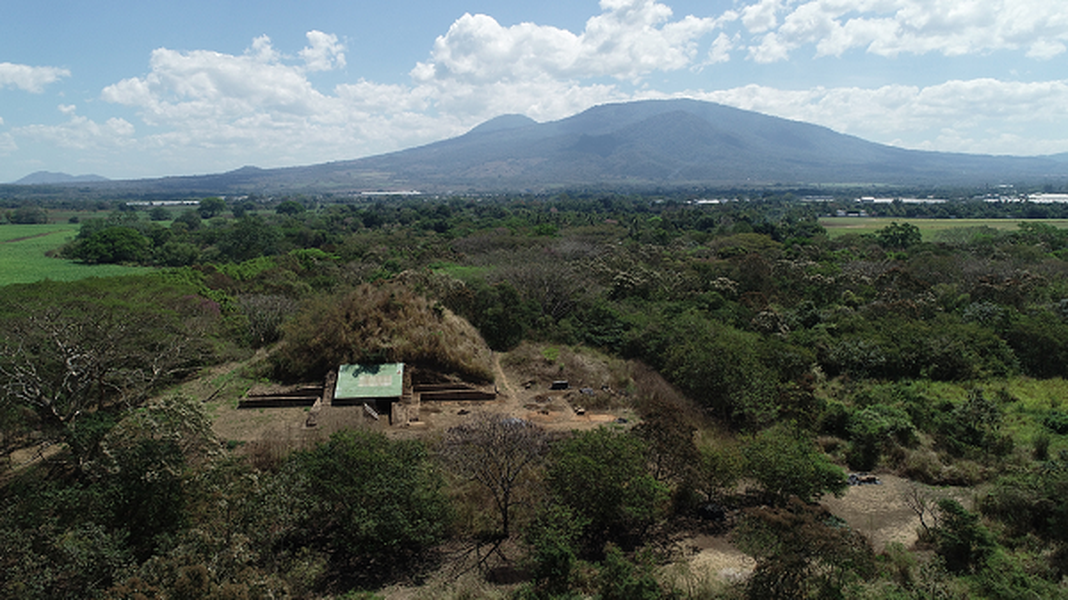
[(645, 144), (660, 143), (680, 142), (48, 177)]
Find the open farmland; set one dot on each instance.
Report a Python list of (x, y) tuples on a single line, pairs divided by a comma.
[(929, 228), (23, 256)]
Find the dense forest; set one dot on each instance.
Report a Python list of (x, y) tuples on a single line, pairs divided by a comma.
[(765, 359)]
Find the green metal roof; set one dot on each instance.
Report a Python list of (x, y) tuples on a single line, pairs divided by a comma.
[(369, 381)]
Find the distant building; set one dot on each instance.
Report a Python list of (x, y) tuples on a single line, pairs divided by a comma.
[(1048, 198), (164, 203), (393, 193)]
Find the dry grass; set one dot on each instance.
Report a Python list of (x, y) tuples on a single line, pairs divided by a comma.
[(283, 431), (381, 323), (580, 367)]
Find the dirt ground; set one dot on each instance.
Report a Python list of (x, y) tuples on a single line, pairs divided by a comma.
[(716, 557), (879, 511), (555, 410)]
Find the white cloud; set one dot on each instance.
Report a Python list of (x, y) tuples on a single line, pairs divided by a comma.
[(478, 49), (7, 144), (205, 85), (761, 16), (1045, 49), (630, 39), (772, 48), (256, 107), (27, 78), (81, 133), (262, 51), (1020, 114), (720, 51), (893, 27), (324, 52)]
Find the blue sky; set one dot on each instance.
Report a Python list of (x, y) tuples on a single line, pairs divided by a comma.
[(130, 89)]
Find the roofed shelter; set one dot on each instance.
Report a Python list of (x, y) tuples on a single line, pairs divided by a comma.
[(378, 386)]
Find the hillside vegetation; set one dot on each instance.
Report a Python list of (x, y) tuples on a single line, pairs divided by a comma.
[(762, 358), (375, 324)]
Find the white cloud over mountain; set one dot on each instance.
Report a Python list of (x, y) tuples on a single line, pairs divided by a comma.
[(630, 39), (264, 106), (962, 112)]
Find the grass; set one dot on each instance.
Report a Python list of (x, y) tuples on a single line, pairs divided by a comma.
[(461, 272), (23, 257), (839, 226), (1032, 399)]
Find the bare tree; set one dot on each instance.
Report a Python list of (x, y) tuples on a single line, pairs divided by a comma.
[(495, 450), (266, 313), (61, 363), (547, 276), (922, 501)]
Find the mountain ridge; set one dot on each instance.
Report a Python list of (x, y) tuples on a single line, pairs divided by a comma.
[(649, 143), (52, 177)]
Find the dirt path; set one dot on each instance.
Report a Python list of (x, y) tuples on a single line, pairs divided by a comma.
[(29, 237), (503, 384), (20, 459)]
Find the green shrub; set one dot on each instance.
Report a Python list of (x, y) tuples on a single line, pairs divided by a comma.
[(786, 462), (892, 346), (961, 540), (552, 540), (801, 551), (972, 428), (1040, 443), (602, 476), (872, 429), (723, 369), (1041, 344), (117, 244), (621, 579), (1057, 422), (372, 500)]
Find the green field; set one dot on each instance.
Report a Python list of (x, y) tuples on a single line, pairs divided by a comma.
[(23, 258), (839, 226)]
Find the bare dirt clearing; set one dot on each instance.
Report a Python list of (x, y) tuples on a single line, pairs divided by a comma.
[(881, 512), (878, 511), (523, 379), (715, 556)]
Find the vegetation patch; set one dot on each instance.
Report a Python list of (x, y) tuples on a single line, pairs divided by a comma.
[(663, 371)]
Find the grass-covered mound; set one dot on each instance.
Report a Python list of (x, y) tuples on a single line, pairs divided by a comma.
[(380, 323)]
